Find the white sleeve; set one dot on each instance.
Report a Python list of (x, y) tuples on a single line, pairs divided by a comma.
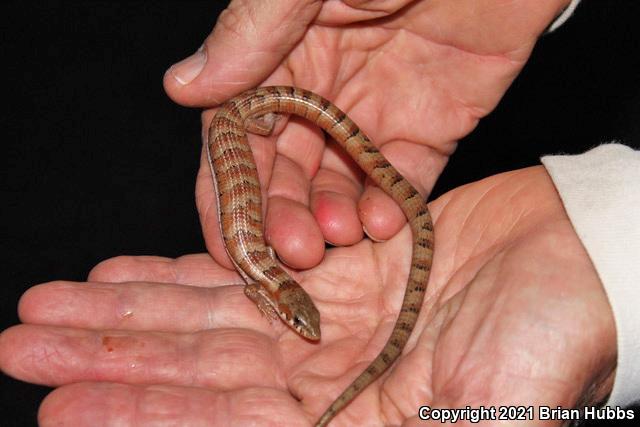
[(600, 190), (566, 13)]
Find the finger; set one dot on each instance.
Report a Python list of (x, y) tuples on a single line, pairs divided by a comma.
[(334, 193), (419, 164), (380, 215), (293, 233), (333, 203), (221, 358), (124, 404), (140, 306), (342, 211), (248, 42), (340, 12), (303, 143), (192, 270), (290, 228)]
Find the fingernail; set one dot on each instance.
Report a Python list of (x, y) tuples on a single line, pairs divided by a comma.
[(373, 239), (189, 68)]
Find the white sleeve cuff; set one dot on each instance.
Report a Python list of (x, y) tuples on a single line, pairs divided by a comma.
[(563, 16), (600, 190)]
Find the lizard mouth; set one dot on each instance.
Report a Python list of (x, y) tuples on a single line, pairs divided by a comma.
[(304, 327)]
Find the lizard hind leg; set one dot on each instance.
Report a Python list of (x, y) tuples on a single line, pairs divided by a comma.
[(261, 125)]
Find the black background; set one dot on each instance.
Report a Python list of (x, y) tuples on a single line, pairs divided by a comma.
[(99, 162)]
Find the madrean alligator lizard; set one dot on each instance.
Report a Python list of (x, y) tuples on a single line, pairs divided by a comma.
[(240, 216)]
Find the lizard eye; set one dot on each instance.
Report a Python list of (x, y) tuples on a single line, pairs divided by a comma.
[(298, 321)]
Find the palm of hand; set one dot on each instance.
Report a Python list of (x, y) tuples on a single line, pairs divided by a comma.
[(449, 66), (508, 319)]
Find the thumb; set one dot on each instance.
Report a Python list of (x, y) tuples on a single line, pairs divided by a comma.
[(249, 41)]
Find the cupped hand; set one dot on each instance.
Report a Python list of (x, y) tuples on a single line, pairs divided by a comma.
[(415, 75), (514, 315)]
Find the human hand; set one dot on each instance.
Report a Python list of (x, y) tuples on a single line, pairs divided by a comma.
[(415, 75), (514, 315)]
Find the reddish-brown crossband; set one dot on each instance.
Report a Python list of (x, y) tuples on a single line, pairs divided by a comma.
[(236, 182)]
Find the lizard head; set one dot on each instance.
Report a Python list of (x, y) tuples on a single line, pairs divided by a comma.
[(299, 312)]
